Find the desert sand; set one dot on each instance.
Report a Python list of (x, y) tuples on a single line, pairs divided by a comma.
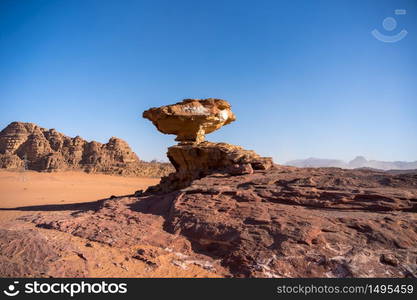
[(47, 194), (29, 188)]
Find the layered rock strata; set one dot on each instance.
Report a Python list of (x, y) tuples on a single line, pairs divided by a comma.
[(28, 146)]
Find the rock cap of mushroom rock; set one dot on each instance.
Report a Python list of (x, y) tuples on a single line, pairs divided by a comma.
[(191, 119)]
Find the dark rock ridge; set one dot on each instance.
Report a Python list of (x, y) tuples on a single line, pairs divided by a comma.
[(26, 145)]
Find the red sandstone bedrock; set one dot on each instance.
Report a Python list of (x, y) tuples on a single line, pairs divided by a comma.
[(282, 222)]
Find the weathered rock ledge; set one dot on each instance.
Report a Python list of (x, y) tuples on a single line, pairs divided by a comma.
[(198, 160)]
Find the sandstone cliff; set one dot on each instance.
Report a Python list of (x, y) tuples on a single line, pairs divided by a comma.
[(28, 146)]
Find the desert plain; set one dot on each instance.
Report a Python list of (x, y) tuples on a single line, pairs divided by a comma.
[(29, 192)]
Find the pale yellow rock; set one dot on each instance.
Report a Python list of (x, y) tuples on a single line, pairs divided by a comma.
[(191, 119)]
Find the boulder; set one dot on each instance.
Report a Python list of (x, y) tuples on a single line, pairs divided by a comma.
[(191, 119)]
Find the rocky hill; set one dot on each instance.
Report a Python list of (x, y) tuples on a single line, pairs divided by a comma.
[(29, 146)]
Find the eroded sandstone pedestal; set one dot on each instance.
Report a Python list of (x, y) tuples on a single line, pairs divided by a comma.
[(199, 160), (193, 157)]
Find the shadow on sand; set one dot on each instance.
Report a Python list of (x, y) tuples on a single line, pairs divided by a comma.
[(83, 206)]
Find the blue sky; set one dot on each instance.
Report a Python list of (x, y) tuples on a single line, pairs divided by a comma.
[(305, 78)]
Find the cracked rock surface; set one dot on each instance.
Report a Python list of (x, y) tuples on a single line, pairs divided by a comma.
[(281, 222)]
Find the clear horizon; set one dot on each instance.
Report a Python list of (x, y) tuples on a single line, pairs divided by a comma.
[(305, 79)]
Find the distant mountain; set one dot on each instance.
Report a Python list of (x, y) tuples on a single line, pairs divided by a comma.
[(357, 162), (313, 162), (29, 146)]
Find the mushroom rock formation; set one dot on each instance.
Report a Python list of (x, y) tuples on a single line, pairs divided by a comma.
[(191, 119), (193, 157)]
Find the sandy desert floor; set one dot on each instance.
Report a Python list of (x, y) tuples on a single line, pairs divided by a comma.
[(29, 192), (29, 188)]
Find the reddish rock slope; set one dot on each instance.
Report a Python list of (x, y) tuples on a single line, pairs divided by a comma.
[(290, 222)]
